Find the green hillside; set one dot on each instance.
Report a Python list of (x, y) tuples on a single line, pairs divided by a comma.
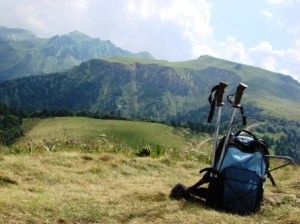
[(266, 89), (84, 180), (150, 89), (23, 54), (124, 135), (131, 85), (276, 93)]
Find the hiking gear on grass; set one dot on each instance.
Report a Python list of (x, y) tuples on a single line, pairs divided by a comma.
[(240, 166), (237, 186), (236, 106), (217, 100)]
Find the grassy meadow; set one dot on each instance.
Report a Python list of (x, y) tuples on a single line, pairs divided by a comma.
[(96, 134), (82, 170)]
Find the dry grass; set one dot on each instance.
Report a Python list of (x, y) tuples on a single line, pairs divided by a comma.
[(77, 187), (91, 181)]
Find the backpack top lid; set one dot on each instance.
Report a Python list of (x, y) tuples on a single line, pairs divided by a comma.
[(246, 140), (245, 155)]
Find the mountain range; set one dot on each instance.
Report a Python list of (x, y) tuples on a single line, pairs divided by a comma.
[(22, 53), (111, 80)]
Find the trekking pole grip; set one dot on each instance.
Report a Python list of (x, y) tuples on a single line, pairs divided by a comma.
[(238, 95), (219, 94)]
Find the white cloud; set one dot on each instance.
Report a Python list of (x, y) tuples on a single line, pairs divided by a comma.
[(266, 47), (191, 17), (286, 61), (169, 29), (194, 21), (143, 8), (31, 18), (232, 49), (45, 17), (282, 2), (275, 2), (266, 13)]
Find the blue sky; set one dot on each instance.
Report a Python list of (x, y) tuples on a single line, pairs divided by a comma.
[(247, 21), (263, 33)]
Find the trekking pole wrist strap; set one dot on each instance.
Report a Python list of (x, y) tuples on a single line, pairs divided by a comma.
[(244, 118), (217, 99)]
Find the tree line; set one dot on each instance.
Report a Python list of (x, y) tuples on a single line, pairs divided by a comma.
[(286, 144), (10, 126)]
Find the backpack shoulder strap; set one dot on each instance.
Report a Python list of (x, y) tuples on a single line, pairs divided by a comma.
[(207, 177)]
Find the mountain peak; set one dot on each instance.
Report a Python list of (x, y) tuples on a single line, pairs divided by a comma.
[(78, 35), (205, 56), (16, 34), (144, 55)]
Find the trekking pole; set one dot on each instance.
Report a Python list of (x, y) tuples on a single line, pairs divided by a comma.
[(236, 106), (288, 160), (219, 102)]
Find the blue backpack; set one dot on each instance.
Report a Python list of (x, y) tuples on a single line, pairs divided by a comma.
[(240, 164), (238, 185)]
